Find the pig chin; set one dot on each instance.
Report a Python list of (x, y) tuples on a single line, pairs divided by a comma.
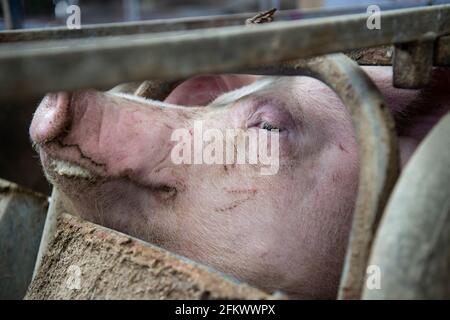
[(68, 172), (57, 171), (115, 202)]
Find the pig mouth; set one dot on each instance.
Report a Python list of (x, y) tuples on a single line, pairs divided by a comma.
[(67, 167), (71, 170), (58, 168)]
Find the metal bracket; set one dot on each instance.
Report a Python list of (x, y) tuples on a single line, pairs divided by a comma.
[(413, 62)]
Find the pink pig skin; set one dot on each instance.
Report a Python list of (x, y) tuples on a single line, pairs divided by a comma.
[(286, 231)]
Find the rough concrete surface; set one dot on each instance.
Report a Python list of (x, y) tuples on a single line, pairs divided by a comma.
[(87, 261)]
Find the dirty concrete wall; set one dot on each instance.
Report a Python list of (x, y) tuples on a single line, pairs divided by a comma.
[(87, 261)]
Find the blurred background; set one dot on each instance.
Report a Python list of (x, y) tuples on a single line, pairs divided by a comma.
[(44, 13), (18, 162)]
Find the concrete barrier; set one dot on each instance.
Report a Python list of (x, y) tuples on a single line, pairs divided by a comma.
[(87, 261)]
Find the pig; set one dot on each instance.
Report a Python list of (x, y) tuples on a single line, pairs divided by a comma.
[(109, 154)]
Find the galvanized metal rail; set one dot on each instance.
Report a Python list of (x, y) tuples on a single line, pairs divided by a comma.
[(106, 61)]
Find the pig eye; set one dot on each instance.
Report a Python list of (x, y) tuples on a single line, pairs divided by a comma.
[(269, 127)]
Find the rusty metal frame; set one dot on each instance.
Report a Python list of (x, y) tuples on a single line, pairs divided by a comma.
[(378, 153), (423, 42), (103, 62), (413, 62), (182, 24), (55, 209)]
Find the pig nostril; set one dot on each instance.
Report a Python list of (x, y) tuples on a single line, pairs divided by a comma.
[(51, 118)]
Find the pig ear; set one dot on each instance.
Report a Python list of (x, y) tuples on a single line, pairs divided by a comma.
[(203, 89)]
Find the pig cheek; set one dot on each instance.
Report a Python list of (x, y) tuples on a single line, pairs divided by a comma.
[(210, 231), (118, 204), (220, 203), (112, 204), (241, 221)]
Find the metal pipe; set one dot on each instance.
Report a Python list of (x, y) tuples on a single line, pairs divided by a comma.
[(54, 211), (442, 51), (413, 62), (412, 245), (32, 69), (378, 152), (180, 24)]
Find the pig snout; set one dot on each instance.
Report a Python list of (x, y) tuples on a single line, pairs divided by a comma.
[(93, 131), (51, 118)]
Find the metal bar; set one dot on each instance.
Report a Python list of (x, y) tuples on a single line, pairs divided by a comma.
[(378, 152), (54, 211), (33, 69), (413, 62), (442, 52), (179, 24), (123, 28), (412, 246)]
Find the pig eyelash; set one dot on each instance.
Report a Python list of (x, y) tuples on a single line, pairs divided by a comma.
[(269, 127)]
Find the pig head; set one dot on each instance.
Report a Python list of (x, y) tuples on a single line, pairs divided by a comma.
[(110, 154)]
